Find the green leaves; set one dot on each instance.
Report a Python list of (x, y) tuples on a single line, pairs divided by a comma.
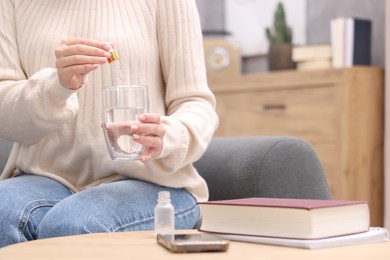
[(280, 32)]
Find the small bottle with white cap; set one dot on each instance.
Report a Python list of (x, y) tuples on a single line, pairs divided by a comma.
[(164, 214)]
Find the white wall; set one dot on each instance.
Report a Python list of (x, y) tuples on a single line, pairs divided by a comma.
[(247, 20)]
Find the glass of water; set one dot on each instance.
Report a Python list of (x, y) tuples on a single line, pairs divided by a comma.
[(122, 105)]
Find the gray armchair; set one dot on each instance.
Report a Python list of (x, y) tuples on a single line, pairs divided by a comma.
[(238, 167)]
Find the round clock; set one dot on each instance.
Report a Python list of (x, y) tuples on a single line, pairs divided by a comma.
[(217, 59), (222, 57)]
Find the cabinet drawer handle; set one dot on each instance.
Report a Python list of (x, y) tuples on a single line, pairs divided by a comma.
[(274, 106)]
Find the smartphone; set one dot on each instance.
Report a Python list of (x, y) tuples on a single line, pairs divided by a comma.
[(186, 243)]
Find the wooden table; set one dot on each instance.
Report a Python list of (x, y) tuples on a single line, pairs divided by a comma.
[(142, 245)]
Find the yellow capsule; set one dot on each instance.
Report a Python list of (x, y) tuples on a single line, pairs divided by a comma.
[(114, 56)]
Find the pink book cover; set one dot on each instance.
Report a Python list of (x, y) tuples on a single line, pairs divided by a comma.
[(285, 203)]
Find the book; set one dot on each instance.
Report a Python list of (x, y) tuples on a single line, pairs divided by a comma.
[(373, 235), (314, 65), (285, 218), (337, 32), (350, 41), (358, 42), (312, 52)]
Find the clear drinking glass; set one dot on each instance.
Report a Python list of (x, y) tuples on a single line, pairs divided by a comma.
[(122, 105)]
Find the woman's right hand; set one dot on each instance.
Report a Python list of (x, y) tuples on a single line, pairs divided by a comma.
[(76, 57)]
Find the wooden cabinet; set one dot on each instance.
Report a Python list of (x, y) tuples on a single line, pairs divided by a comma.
[(339, 112)]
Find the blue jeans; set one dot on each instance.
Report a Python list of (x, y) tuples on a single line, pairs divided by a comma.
[(34, 207)]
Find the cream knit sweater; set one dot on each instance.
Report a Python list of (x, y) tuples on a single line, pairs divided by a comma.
[(57, 132)]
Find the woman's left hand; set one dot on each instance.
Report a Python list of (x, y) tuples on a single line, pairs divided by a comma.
[(150, 133)]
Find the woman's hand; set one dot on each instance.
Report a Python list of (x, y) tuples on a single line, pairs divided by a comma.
[(150, 133), (76, 57)]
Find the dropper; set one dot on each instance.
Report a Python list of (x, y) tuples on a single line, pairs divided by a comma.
[(115, 57)]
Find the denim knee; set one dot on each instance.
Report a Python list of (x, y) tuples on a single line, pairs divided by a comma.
[(63, 221), (116, 207), (68, 221), (22, 207)]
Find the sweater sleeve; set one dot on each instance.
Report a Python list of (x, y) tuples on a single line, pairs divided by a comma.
[(30, 106), (191, 118)]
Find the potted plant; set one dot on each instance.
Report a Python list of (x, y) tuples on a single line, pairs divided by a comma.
[(280, 39)]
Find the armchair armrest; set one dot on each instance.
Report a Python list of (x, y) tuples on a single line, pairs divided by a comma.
[(277, 166)]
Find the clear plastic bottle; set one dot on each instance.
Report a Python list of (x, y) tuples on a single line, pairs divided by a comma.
[(164, 214)]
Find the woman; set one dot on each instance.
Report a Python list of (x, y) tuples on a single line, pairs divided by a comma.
[(59, 179)]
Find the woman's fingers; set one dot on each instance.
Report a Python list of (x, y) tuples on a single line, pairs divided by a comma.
[(79, 60), (86, 42), (79, 49), (76, 57), (79, 70), (151, 125), (150, 133)]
